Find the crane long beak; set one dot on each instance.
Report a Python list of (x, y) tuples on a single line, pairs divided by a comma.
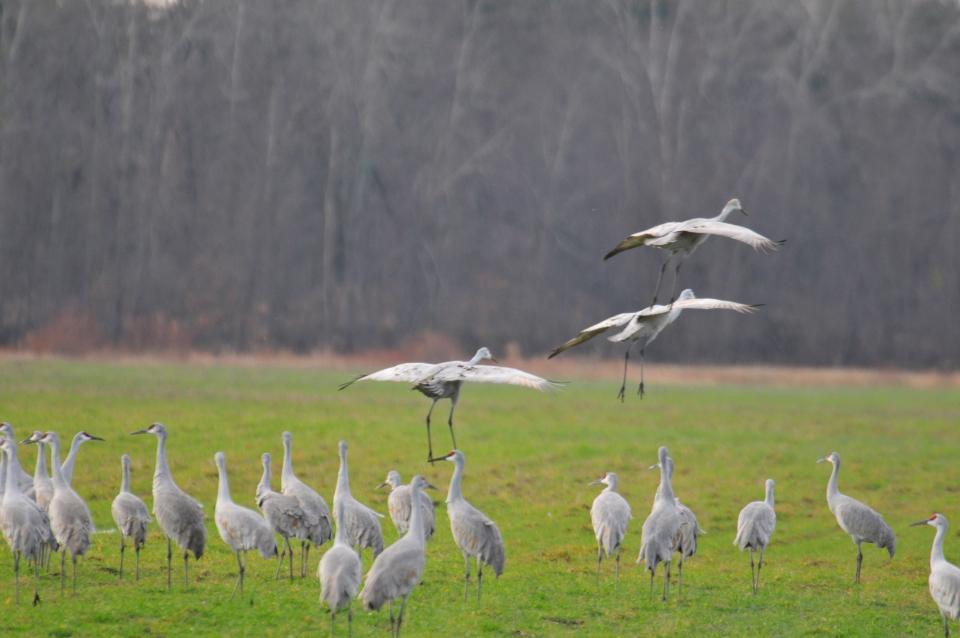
[(595, 482), (382, 485), (654, 466), (918, 523), (744, 211), (28, 441), (821, 459), (94, 438), (139, 432), (431, 486)]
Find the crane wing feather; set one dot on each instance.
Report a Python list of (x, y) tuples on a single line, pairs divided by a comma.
[(405, 372), (494, 374), (587, 334), (731, 231)]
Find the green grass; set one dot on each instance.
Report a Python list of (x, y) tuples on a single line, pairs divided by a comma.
[(529, 459)]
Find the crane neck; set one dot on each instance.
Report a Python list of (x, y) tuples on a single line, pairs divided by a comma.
[(162, 470), (125, 477), (264, 485), (3, 472), (665, 490), (476, 359), (13, 462), (67, 467), (832, 489), (343, 477), (723, 214), (223, 488), (936, 552), (41, 468), (341, 537), (416, 517), (9, 480), (612, 484), (287, 471), (59, 481), (769, 496), (455, 492)]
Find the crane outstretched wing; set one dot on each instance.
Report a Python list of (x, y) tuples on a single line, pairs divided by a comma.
[(699, 304), (732, 231), (406, 372), (496, 374), (643, 237), (587, 334)]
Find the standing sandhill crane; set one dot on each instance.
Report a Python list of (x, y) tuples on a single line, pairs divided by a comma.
[(399, 568), (443, 381), (179, 515), (130, 514), (689, 532), (680, 239), (339, 573), (399, 505), (24, 480), (863, 524), (319, 527), (610, 515), (283, 513), (70, 518), (42, 484), (754, 528), (240, 527), (79, 439), (25, 526), (362, 523), (661, 531), (475, 534), (643, 326), (944, 581)]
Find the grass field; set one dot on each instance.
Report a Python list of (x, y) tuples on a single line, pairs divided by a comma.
[(529, 459)]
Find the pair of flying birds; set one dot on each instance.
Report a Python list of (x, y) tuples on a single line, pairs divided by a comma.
[(679, 239)]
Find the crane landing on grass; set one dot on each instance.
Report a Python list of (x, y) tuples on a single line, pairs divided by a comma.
[(443, 381)]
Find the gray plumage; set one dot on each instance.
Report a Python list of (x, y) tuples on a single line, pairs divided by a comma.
[(397, 570), (131, 516), (283, 513), (754, 528), (319, 525), (643, 326), (25, 525), (398, 503), (681, 239), (443, 381), (610, 515), (339, 573), (178, 514), (78, 439), (240, 527), (944, 580), (661, 530), (475, 534), (362, 523), (690, 532), (70, 518), (863, 524), (24, 480)]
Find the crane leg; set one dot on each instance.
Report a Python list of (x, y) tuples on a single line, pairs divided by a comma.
[(680, 578), (599, 560), (676, 278), (753, 573), (759, 567), (651, 583), (429, 439), (859, 563), (169, 564), (63, 569), (123, 548), (36, 579), (656, 290), (403, 605), (466, 577), (283, 555), (618, 565), (479, 578), (137, 551), (73, 558), (453, 406), (946, 625), (289, 551), (393, 621), (349, 619), (640, 387), (333, 616), (666, 581), (303, 562), (239, 585), (623, 386), (186, 569), (16, 571)]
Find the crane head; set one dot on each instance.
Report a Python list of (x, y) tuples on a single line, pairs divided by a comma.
[(84, 436), (33, 438), (832, 458), (393, 480), (936, 520), (734, 205), (157, 429)]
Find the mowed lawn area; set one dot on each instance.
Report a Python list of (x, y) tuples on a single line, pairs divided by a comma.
[(530, 458)]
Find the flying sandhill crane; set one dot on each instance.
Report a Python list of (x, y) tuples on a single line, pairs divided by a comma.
[(689, 532), (643, 326), (443, 381), (754, 528), (863, 524), (661, 531), (944, 581), (24, 480), (42, 484), (319, 526), (610, 514), (339, 574), (282, 512), (70, 518), (79, 439), (680, 239), (25, 526), (179, 515), (475, 534), (399, 568), (362, 523), (399, 505), (240, 527), (130, 514)]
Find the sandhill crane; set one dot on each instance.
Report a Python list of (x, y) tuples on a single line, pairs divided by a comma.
[(79, 439), (661, 531), (362, 523), (24, 480), (863, 524), (689, 531), (42, 484), (130, 514), (680, 239), (443, 381), (319, 527), (283, 513), (240, 527), (179, 515), (944, 581), (25, 526), (643, 326), (475, 534), (610, 515), (70, 518), (754, 528), (339, 572), (399, 505), (399, 568)]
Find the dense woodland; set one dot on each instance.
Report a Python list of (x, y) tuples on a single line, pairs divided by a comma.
[(347, 174)]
